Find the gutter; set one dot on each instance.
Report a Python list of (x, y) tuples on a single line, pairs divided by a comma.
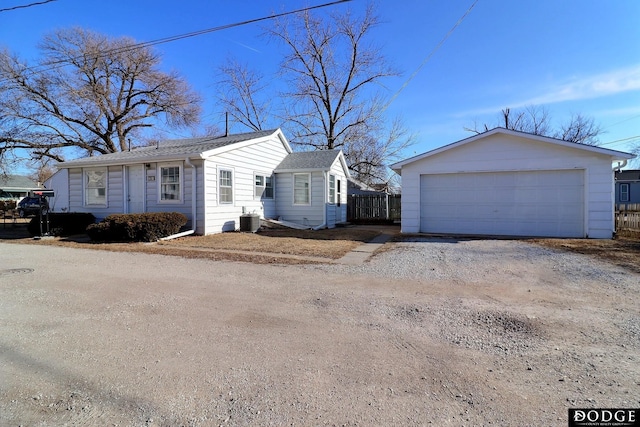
[(194, 198)]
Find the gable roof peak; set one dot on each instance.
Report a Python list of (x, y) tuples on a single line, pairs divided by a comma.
[(615, 155), (178, 148), (312, 160)]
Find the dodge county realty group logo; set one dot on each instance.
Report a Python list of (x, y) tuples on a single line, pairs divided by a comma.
[(604, 417)]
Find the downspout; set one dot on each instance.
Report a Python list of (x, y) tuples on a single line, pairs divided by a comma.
[(620, 165), (194, 195)]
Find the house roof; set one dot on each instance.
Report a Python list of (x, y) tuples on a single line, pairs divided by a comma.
[(628, 175), (173, 149), (17, 183), (321, 160), (615, 155)]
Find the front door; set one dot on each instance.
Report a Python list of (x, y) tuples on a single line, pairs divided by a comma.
[(135, 189)]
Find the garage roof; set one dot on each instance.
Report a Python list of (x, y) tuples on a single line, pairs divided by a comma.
[(615, 155)]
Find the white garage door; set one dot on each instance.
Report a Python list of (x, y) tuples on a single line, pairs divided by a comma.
[(539, 203)]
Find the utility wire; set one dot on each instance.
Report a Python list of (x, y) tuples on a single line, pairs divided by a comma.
[(62, 63), (622, 121), (438, 46), (26, 5), (621, 140)]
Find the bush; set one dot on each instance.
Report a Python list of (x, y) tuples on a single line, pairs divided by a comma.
[(7, 205), (62, 224), (144, 227)]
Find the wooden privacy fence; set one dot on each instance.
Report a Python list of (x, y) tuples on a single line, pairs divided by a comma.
[(628, 217), (373, 208)]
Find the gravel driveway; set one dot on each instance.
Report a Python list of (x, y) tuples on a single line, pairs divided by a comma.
[(428, 332)]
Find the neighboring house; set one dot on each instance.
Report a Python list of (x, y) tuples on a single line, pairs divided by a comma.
[(627, 187), (503, 182), (357, 187), (211, 180), (18, 186)]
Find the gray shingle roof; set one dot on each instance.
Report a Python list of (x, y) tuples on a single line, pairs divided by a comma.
[(17, 182), (170, 148), (309, 160), (628, 175)]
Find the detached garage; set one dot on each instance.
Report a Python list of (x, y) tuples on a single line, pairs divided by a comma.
[(510, 183)]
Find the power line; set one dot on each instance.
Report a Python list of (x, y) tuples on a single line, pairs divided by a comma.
[(26, 5), (62, 63), (622, 121), (438, 46), (621, 140)]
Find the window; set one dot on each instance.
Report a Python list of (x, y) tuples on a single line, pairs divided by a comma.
[(226, 186), (263, 187), (95, 187), (624, 192), (332, 188), (338, 194), (268, 187), (301, 189), (170, 183)]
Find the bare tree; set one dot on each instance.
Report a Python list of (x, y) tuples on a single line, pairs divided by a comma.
[(241, 94), (580, 129), (89, 94), (334, 75), (537, 121), (42, 172)]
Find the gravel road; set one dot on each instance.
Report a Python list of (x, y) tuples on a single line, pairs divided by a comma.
[(428, 332)]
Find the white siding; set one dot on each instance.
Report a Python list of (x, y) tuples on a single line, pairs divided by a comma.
[(59, 182), (500, 152), (337, 213), (245, 163), (115, 193), (311, 215), (152, 188)]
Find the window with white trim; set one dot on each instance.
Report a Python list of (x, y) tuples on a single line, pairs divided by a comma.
[(170, 183), (624, 192), (301, 189), (332, 189), (263, 187), (95, 187), (225, 186)]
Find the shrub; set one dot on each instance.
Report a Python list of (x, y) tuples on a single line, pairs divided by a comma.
[(7, 205), (62, 224), (144, 227)]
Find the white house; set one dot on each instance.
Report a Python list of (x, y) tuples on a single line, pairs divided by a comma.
[(504, 182), (211, 180)]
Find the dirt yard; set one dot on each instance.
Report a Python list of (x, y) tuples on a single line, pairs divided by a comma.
[(427, 332), (269, 246)]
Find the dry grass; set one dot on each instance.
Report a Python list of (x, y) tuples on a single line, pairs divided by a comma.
[(333, 243), (287, 246), (623, 251), (282, 246)]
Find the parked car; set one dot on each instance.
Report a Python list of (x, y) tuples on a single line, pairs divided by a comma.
[(32, 205)]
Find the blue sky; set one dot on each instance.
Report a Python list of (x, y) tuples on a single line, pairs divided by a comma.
[(570, 56)]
